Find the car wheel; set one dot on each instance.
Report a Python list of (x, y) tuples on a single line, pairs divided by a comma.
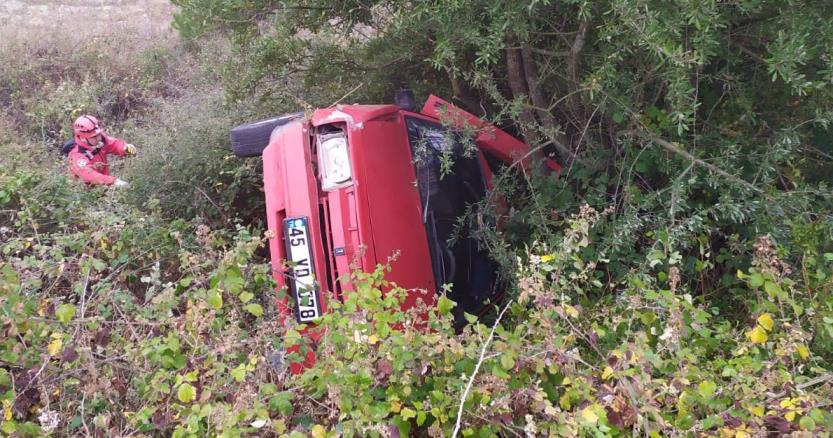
[(251, 139)]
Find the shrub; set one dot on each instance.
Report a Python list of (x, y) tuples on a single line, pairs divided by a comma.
[(650, 360), (185, 161), (117, 321)]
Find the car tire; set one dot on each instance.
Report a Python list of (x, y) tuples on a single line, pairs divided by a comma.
[(251, 139)]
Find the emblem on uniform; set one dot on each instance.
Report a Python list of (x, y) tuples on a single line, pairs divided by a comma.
[(81, 163)]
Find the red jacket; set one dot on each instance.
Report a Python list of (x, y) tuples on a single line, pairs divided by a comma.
[(91, 164)]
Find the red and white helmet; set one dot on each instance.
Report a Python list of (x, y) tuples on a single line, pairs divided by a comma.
[(85, 128)]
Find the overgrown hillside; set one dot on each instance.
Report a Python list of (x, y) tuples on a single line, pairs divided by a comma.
[(120, 323), (675, 279)]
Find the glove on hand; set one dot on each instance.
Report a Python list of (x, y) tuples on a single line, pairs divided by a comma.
[(121, 183), (129, 149)]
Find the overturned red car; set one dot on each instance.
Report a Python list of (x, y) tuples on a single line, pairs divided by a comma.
[(354, 184)]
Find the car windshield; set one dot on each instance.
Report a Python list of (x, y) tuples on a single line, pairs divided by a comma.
[(450, 182)]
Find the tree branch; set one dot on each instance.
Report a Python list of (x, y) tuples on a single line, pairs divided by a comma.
[(561, 54), (820, 379), (671, 147), (575, 51), (462, 95), (548, 121), (476, 369), (546, 117)]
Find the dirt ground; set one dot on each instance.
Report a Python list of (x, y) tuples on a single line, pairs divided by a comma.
[(75, 20)]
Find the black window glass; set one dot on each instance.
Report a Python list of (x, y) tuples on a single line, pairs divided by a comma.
[(450, 181)]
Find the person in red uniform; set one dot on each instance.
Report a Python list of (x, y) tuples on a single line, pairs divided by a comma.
[(88, 159)]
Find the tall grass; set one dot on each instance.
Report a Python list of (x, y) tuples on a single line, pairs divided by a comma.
[(145, 85), (64, 58)]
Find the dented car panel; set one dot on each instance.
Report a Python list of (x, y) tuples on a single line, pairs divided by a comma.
[(344, 189)]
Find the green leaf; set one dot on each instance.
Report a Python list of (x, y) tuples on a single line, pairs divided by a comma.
[(710, 422), (245, 296), (444, 305), (65, 312), (756, 280), (707, 388), (76, 422), (8, 427), (99, 265), (239, 373), (407, 413), (185, 282), (9, 280), (186, 393), (817, 415), (268, 389), (233, 280), (254, 309), (772, 289), (498, 371), (281, 402), (655, 257), (807, 423), (507, 361), (214, 299)]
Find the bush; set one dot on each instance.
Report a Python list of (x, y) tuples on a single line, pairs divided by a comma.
[(117, 321), (650, 360), (185, 161)]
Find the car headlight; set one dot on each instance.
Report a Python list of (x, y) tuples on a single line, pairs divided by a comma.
[(334, 159)]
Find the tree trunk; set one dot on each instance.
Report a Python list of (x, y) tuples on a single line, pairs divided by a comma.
[(520, 91), (548, 122)]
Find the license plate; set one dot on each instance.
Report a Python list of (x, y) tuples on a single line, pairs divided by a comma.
[(302, 270)]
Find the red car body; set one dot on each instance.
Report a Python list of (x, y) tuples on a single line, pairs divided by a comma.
[(327, 216)]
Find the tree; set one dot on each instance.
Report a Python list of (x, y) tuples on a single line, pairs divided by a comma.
[(700, 123)]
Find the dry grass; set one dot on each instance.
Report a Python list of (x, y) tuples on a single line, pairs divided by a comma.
[(72, 21), (111, 57)]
